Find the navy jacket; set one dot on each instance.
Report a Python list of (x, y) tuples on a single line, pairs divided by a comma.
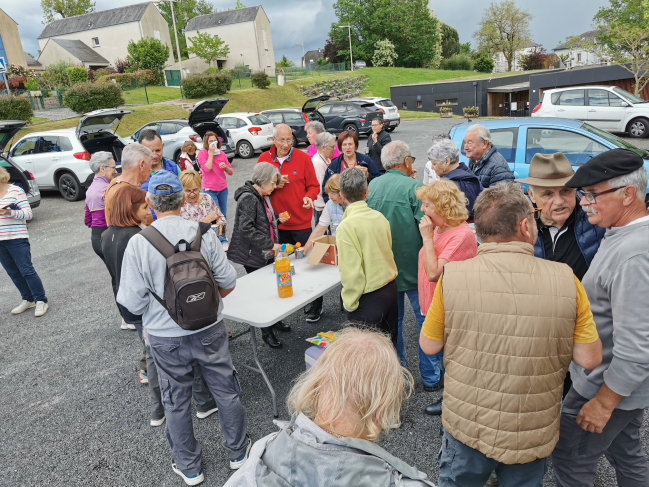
[(468, 183), (336, 164), (492, 168), (588, 237)]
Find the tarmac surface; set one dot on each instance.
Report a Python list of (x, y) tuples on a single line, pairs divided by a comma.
[(72, 411)]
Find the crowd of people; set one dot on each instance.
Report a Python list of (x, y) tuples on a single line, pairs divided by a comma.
[(524, 291)]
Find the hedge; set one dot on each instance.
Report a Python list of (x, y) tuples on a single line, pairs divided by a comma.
[(457, 62), (260, 79), (77, 75), (86, 97), (129, 80), (198, 85), (484, 65), (16, 108)]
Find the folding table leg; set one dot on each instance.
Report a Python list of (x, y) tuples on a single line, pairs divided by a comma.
[(253, 341)]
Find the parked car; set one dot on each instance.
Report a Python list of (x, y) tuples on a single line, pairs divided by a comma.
[(175, 132), (360, 64), (391, 115), (17, 175), (605, 107), (58, 159), (292, 117), (250, 132), (518, 139), (339, 116)]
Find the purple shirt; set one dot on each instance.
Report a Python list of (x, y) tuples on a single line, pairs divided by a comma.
[(95, 215)]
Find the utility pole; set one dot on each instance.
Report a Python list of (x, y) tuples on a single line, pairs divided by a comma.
[(351, 58), (303, 60), (173, 18)]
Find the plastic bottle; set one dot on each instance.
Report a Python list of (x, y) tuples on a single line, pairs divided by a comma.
[(283, 270)]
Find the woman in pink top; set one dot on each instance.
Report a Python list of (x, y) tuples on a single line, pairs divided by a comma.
[(214, 166), (447, 237), (313, 129)]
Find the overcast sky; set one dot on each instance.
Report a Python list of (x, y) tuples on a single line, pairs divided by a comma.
[(309, 21)]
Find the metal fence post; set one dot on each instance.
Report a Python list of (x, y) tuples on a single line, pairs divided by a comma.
[(145, 92)]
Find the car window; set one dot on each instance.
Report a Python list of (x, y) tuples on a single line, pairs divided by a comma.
[(241, 123), (274, 117), (628, 96), (598, 98), (338, 108), (25, 147), (167, 128), (294, 118), (65, 144), (578, 148), (48, 144), (325, 109), (555, 98), (227, 122), (387, 103), (259, 119), (504, 140), (151, 126), (572, 98), (616, 141), (615, 101)]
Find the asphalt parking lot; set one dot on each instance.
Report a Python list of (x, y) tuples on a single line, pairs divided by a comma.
[(72, 411)]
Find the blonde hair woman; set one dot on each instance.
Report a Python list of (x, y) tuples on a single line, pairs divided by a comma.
[(340, 407), (447, 237)]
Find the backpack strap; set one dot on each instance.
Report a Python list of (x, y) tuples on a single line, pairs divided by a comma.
[(159, 242), (202, 229)]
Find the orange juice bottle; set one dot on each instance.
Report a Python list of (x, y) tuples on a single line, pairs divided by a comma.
[(283, 270)]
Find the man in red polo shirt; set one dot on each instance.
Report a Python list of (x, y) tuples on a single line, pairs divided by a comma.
[(295, 194)]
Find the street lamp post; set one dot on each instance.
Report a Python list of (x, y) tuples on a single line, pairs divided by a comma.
[(351, 58), (173, 19), (303, 60)]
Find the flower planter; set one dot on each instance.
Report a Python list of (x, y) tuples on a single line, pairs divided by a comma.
[(446, 114)]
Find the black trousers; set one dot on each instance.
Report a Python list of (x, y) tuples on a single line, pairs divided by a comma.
[(379, 309), (294, 236), (95, 240)]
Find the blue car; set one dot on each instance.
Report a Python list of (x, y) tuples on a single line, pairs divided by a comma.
[(518, 139)]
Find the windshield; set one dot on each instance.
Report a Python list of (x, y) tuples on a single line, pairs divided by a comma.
[(616, 141), (259, 119), (628, 96)]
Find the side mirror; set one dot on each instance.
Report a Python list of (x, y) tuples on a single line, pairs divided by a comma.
[(625, 104)]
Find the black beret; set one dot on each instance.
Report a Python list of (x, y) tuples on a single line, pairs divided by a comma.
[(605, 166)]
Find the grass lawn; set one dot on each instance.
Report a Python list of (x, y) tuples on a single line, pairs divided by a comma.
[(155, 93), (37, 119), (256, 100)]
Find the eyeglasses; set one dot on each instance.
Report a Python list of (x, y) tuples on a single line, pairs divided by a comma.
[(533, 212), (109, 167), (192, 191), (591, 197), (332, 147), (284, 141), (412, 159)]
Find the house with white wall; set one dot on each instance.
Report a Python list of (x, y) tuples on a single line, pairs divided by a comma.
[(311, 57), (107, 33), (11, 47), (577, 56), (500, 63), (246, 31)]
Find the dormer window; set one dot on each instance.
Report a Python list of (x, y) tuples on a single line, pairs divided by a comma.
[(95, 41)]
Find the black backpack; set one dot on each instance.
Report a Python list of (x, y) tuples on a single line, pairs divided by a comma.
[(190, 291)]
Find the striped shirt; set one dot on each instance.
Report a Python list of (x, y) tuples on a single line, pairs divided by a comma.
[(13, 226)]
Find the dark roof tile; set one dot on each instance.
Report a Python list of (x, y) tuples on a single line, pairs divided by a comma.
[(81, 51), (237, 16)]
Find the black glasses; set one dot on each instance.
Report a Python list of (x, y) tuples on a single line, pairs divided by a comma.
[(592, 197), (412, 159)]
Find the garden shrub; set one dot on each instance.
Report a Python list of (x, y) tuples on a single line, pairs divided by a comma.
[(31, 84), (77, 74), (260, 79), (484, 65), (147, 76), (457, 62), (199, 85), (86, 97), (16, 108), (211, 70), (15, 83)]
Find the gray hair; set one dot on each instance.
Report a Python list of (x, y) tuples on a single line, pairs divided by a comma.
[(637, 178), (443, 148), (166, 202), (323, 138), (99, 159), (134, 153), (263, 173), (483, 132), (281, 125), (317, 127), (353, 185), (499, 209), (394, 154)]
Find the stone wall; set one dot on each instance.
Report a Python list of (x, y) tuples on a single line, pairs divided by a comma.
[(339, 88)]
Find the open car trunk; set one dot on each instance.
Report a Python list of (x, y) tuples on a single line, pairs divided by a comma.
[(202, 118), (16, 176), (310, 109), (102, 141)]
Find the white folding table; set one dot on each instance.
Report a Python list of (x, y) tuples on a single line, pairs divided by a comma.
[(256, 303)]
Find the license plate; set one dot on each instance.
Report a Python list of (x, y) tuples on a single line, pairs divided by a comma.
[(392, 123)]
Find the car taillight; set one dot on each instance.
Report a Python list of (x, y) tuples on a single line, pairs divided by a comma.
[(306, 120), (254, 130), (537, 108), (84, 156), (363, 120), (382, 109), (31, 176), (195, 138)]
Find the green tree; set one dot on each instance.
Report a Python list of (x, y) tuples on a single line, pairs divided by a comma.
[(465, 48), (208, 47), (322, 61), (65, 8), (408, 24), (239, 5), (284, 63), (450, 40), (385, 54), (504, 28), (147, 53), (183, 10)]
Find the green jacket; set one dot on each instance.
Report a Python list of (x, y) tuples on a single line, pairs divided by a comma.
[(393, 194)]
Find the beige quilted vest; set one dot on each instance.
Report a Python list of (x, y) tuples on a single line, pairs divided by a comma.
[(509, 325)]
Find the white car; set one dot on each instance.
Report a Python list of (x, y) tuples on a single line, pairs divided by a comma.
[(58, 159), (390, 111), (249, 131), (605, 107)]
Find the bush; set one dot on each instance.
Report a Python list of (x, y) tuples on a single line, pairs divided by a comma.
[(457, 62), (199, 85), (147, 76), (15, 83), (15, 108), (122, 65), (86, 97), (484, 65), (61, 68), (77, 75), (31, 84), (51, 80), (211, 70), (260, 80)]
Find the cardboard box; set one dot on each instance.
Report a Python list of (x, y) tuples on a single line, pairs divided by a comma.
[(324, 251)]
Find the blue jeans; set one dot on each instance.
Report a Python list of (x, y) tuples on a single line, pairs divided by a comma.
[(429, 365), (462, 466), (221, 200), (16, 258)]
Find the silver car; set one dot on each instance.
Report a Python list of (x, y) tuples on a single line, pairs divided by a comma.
[(17, 175)]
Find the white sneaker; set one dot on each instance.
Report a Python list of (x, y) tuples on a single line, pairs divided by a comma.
[(127, 326), (158, 422), (41, 308), (201, 415), (144, 379), (22, 307), (189, 479), (238, 463)]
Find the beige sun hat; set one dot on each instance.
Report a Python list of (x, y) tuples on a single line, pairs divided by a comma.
[(549, 170)]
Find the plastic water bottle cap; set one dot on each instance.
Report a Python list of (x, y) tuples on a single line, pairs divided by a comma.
[(282, 247)]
